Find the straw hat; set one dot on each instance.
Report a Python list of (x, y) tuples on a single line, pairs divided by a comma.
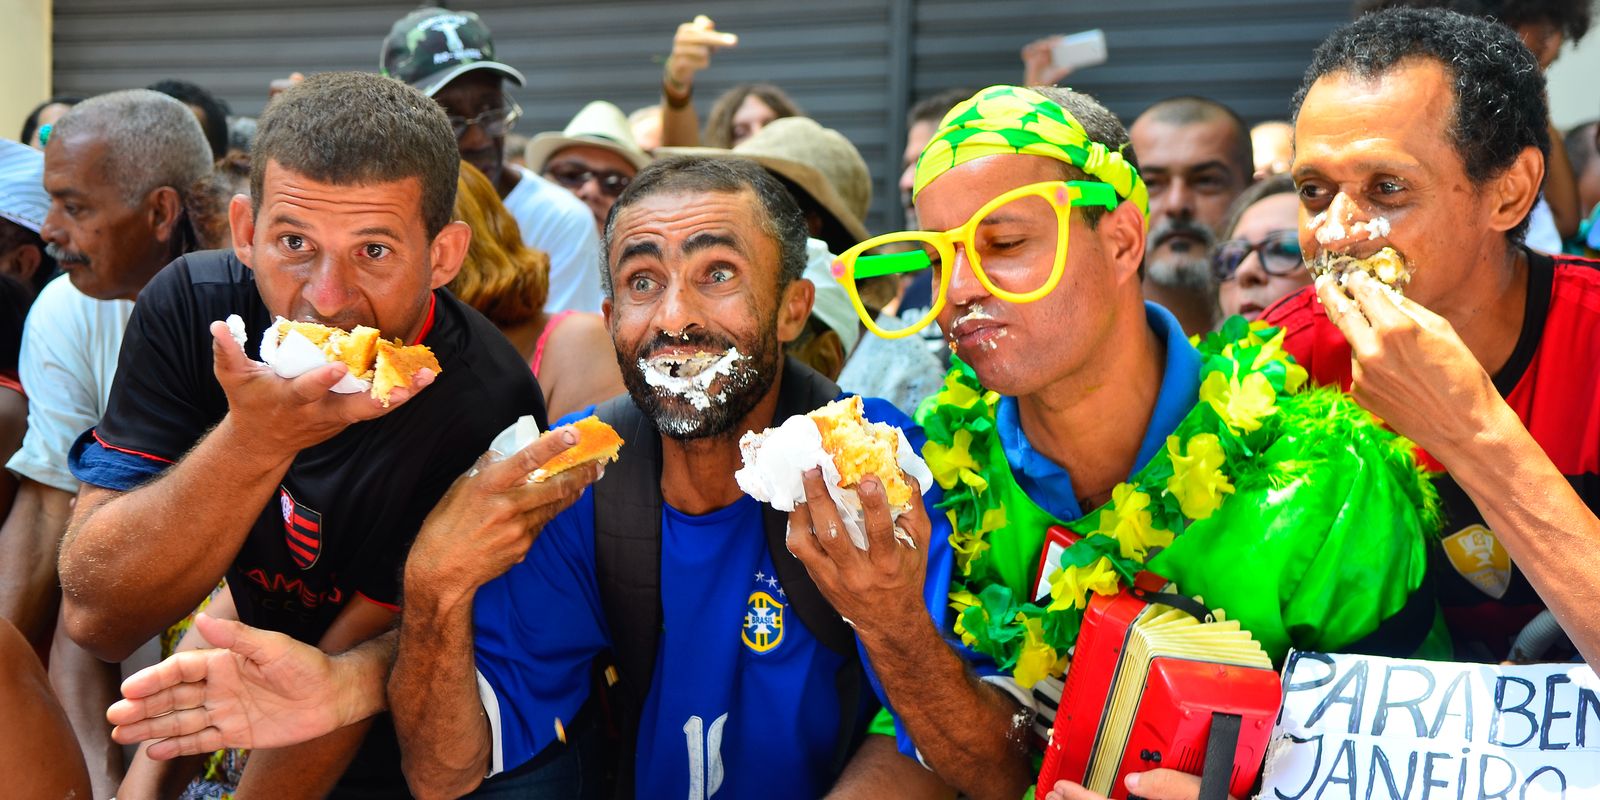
[(819, 160), (599, 124)]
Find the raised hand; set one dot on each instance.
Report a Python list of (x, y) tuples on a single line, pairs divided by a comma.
[(692, 47), (487, 521), (1039, 65), (879, 588), (1409, 367)]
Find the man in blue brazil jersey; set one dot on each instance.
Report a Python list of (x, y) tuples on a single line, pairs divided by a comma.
[(728, 682)]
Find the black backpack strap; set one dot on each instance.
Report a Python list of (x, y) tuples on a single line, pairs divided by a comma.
[(804, 390), (1221, 745), (627, 544)]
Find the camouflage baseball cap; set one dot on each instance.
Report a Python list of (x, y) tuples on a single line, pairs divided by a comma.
[(430, 47)]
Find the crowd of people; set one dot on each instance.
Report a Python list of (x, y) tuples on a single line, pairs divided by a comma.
[(1103, 339)]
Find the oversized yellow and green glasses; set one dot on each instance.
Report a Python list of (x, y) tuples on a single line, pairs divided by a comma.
[(1006, 243)]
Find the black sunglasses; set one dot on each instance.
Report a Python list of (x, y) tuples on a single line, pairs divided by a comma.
[(574, 177), (1279, 252)]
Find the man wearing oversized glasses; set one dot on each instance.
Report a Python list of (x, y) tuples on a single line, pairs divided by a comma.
[(1080, 439), (449, 56)]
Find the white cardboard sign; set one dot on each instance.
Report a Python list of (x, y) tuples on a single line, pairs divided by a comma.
[(1371, 728)]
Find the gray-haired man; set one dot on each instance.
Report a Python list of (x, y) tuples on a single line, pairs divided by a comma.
[(119, 170)]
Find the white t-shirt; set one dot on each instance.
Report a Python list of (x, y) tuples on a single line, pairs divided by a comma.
[(557, 222), (70, 344)]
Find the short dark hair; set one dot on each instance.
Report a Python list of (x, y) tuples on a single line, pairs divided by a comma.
[(1571, 17), (355, 128), (214, 108), (1186, 110), (781, 218), (1101, 125), (1497, 87), (933, 109)]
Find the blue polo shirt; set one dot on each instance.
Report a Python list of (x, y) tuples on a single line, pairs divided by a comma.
[(1046, 483), (1049, 485)]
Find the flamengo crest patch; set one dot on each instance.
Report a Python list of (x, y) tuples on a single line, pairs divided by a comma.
[(302, 529)]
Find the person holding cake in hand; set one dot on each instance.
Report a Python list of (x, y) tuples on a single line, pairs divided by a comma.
[(208, 464), (1075, 405)]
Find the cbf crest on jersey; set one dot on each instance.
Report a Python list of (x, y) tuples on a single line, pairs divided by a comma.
[(302, 530), (763, 615)]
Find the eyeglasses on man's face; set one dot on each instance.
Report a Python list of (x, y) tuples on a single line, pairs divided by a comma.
[(1005, 243), (574, 176), (1279, 253), (495, 122)]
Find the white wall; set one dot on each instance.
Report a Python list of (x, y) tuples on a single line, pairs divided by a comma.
[(24, 61), (1575, 81)]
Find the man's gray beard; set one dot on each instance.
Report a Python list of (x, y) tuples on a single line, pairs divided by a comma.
[(1181, 272)]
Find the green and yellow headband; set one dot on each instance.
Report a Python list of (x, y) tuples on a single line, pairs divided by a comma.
[(1010, 119)]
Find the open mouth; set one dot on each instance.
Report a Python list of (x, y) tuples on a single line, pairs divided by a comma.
[(689, 375), (686, 365)]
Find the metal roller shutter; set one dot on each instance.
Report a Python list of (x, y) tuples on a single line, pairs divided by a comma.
[(830, 55), (1248, 54), (852, 64)]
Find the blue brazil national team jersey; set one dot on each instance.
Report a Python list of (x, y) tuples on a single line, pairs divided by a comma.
[(742, 702)]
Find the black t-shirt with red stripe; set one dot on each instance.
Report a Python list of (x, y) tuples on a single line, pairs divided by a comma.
[(1552, 381), (341, 522)]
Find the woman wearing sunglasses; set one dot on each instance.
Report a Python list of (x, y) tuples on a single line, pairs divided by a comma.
[(1259, 262)]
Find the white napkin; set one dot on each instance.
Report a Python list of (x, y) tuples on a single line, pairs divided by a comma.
[(295, 356), (775, 459)]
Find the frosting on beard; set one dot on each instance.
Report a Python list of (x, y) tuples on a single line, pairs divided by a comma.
[(690, 377)]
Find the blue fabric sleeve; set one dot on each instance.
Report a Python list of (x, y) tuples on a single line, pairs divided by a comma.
[(93, 463), (536, 630), (941, 560)]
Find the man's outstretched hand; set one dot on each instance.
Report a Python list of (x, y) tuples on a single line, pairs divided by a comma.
[(257, 689)]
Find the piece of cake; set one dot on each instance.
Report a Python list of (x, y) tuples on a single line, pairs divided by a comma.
[(354, 348), (597, 441), (860, 448), (1386, 266), (394, 364)]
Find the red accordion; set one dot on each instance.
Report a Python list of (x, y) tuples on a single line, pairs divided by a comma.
[(1153, 682)]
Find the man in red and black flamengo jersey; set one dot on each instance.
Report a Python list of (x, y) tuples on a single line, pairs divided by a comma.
[(207, 464), (1435, 123)]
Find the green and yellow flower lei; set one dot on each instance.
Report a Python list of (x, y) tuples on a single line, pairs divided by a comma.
[(1244, 375)]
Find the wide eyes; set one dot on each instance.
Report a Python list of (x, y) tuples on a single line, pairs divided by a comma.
[(292, 242)]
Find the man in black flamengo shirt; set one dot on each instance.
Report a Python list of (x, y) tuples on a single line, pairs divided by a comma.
[(208, 464)]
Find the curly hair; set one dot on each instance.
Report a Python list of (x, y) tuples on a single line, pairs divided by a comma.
[(1496, 85), (1571, 17), (504, 279), (719, 123)]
